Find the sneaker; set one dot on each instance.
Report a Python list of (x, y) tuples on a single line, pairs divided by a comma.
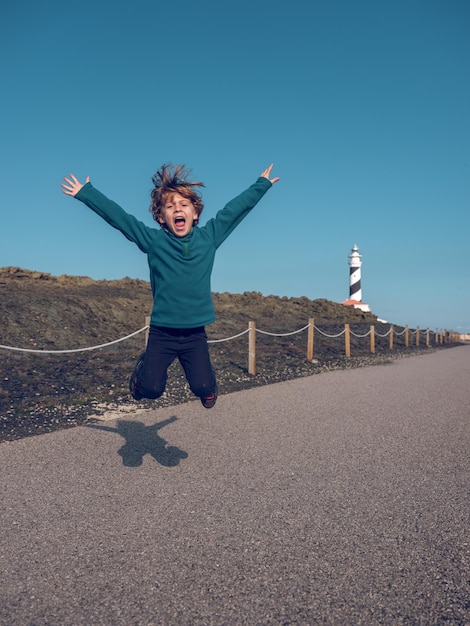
[(209, 401), (134, 379)]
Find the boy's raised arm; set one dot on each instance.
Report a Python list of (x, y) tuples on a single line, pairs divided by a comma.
[(72, 185)]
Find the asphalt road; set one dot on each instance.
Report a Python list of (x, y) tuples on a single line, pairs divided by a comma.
[(341, 498)]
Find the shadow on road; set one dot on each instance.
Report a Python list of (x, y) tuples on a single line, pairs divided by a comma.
[(141, 440)]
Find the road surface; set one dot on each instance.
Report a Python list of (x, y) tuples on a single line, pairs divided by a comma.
[(341, 498)]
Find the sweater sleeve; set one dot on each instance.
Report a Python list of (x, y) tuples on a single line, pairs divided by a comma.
[(135, 230), (228, 218)]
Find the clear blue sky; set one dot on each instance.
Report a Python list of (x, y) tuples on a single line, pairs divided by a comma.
[(362, 105)]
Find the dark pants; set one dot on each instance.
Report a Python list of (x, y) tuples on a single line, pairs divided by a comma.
[(189, 346)]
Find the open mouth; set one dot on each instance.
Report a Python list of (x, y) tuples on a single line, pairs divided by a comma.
[(180, 222)]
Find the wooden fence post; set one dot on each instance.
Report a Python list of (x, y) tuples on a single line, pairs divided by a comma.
[(390, 345), (427, 337), (147, 323), (347, 341), (417, 336), (252, 348), (406, 336), (310, 336), (372, 339)]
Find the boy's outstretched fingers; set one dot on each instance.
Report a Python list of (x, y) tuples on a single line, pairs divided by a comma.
[(267, 173), (72, 185)]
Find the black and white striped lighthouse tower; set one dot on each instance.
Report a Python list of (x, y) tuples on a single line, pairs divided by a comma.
[(355, 290)]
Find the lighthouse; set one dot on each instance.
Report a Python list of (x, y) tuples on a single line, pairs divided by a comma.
[(355, 262), (355, 290)]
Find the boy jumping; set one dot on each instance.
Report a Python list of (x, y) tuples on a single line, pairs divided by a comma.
[(180, 256)]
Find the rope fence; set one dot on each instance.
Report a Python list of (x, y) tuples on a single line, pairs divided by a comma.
[(440, 337), (103, 345)]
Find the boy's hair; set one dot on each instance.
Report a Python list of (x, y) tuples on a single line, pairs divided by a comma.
[(170, 179)]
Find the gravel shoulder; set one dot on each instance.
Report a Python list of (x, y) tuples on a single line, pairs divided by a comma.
[(43, 412)]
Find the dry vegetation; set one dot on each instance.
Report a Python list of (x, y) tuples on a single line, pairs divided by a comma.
[(44, 392)]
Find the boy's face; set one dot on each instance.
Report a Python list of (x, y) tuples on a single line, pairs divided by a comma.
[(178, 214)]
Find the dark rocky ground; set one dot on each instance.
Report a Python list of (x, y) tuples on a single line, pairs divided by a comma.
[(44, 392)]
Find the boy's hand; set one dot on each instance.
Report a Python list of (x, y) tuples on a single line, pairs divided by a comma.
[(72, 185), (267, 173)]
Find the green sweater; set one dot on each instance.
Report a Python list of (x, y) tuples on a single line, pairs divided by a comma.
[(180, 267)]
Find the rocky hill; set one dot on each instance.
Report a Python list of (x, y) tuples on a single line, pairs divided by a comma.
[(43, 391)]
